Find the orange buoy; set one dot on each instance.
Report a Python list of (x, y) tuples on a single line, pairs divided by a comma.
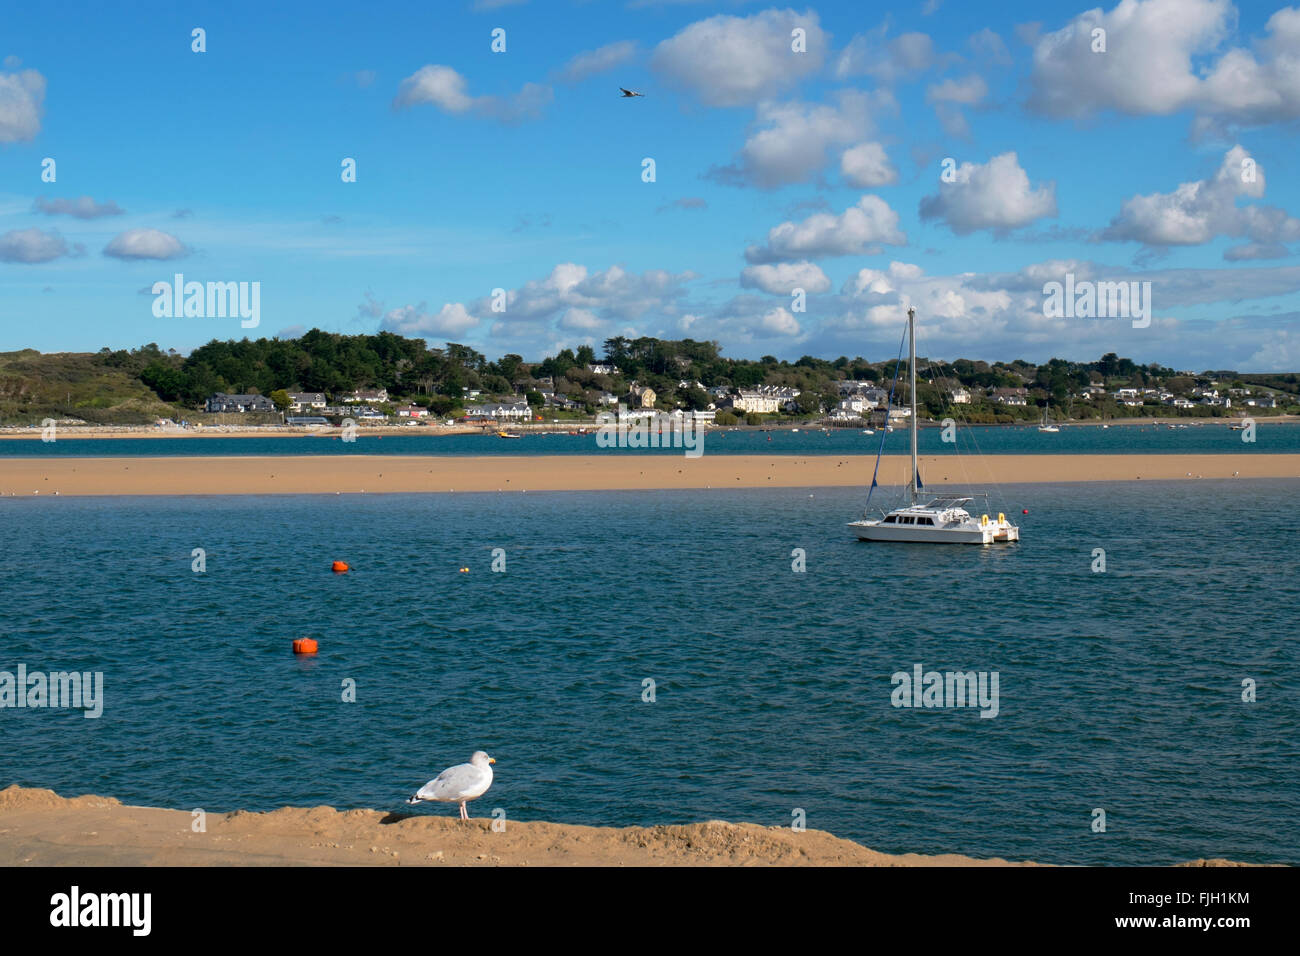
[(304, 645), (339, 567), (464, 570)]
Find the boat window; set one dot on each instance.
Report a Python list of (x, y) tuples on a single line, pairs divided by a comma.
[(890, 519), (925, 521), (908, 519)]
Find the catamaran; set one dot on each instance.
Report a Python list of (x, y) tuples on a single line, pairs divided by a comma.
[(941, 520)]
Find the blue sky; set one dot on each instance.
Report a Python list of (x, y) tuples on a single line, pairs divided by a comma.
[(774, 170)]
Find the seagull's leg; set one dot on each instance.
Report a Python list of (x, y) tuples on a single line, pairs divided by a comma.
[(464, 814)]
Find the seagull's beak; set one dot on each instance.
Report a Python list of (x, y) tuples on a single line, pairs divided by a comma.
[(492, 759)]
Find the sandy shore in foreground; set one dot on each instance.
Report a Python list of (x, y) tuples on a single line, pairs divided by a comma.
[(355, 474), (40, 828)]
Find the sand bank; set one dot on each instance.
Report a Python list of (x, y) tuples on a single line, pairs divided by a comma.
[(40, 828), (355, 474)]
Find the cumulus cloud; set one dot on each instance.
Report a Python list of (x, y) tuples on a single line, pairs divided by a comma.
[(867, 166), (790, 141), (445, 89), (966, 91), (22, 99), (32, 246), (996, 195), (1152, 65), (1197, 212), (784, 277), (889, 62), (574, 299), (738, 61), (145, 244), (859, 230), (596, 61), (1146, 67), (947, 98), (82, 208), (988, 45), (416, 320), (779, 321)]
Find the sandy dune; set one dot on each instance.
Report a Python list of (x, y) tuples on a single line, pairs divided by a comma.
[(354, 474), (40, 828)]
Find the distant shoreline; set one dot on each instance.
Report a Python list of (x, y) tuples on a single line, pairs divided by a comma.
[(30, 432), (379, 474)]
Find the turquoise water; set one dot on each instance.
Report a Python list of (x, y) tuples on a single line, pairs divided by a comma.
[(1270, 438), (1118, 690)]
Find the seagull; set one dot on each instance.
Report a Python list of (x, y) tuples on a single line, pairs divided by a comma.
[(627, 93), (459, 784)]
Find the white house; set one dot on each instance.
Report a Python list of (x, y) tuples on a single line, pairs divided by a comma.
[(755, 401), (412, 411), (960, 396), (299, 401), (497, 411), (379, 395)]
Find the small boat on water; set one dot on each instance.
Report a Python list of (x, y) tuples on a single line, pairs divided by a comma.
[(941, 520), (1047, 426), (505, 434)]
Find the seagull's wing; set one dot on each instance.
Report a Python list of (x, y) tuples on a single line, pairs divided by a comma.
[(454, 783)]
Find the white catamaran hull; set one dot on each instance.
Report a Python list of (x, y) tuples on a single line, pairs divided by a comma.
[(989, 534)]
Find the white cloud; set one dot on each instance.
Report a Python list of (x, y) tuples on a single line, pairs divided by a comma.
[(989, 46), (996, 195), (951, 94), (899, 59), (779, 321), (784, 277), (145, 244), (444, 88), (967, 91), (1147, 64), (1152, 64), (415, 320), (597, 61), (867, 166), (572, 299), (859, 230), (32, 246), (738, 61), (792, 143), (22, 97), (83, 208), (1242, 88), (580, 320), (1196, 212)]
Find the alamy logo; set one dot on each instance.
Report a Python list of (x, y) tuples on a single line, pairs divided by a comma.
[(82, 691), (1098, 300), (215, 300), (75, 908), (649, 430), (946, 689)]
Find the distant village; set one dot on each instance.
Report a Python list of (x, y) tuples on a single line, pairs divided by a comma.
[(853, 402), (326, 379)]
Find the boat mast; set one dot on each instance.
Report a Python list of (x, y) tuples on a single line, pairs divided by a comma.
[(911, 368)]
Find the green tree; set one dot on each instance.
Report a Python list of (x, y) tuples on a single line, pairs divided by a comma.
[(281, 399)]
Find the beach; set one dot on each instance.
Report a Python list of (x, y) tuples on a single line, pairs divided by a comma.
[(358, 474), (40, 828)]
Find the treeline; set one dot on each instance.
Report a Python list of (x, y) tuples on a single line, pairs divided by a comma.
[(412, 370)]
